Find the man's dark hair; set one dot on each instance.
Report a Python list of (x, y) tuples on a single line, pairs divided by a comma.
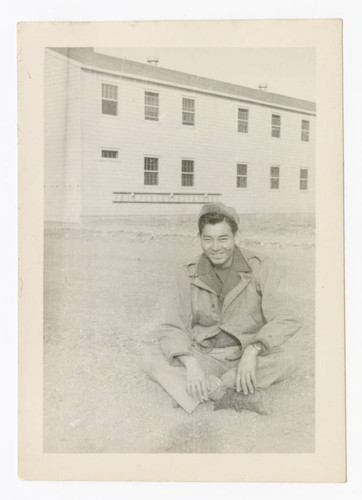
[(215, 218)]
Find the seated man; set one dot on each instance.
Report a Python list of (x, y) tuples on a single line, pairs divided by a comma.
[(223, 337)]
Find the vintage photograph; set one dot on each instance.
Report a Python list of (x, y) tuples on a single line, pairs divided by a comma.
[(179, 250)]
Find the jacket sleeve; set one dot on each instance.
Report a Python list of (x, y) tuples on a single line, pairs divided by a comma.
[(281, 320), (174, 333)]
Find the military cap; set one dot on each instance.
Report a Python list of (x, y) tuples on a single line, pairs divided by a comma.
[(220, 208)]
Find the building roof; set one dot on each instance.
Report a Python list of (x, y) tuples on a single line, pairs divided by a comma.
[(87, 57)]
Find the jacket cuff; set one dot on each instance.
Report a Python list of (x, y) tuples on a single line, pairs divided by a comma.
[(172, 349), (172, 357)]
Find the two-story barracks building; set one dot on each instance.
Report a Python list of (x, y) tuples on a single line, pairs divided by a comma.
[(124, 138)]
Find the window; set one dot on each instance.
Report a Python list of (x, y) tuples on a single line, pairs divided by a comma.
[(274, 177), (241, 175), (110, 153), (243, 120), (188, 111), (305, 131), (109, 99), (187, 173), (303, 180), (151, 106), (151, 172), (276, 124)]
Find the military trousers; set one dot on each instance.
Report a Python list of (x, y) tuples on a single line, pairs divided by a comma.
[(220, 364)]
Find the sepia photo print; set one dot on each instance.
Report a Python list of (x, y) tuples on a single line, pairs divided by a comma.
[(135, 148)]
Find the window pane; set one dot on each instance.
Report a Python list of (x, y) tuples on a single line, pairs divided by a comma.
[(151, 171), (151, 105), (305, 131), (151, 113), (187, 173), (188, 118), (304, 173), (241, 182), (274, 177), (188, 104), (274, 171), (151, 178), (276, 121), (151, 164), (243, 114), (243, 120), (305, 125), (241, 175), (242, 169), (151, 98), (243, 127), (303, 184), (106, 153), (109, 91), (109, 107), (187, 179), (188, 111), (305, 136)]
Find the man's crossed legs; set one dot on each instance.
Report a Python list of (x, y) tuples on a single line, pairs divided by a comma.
[(220, 365)]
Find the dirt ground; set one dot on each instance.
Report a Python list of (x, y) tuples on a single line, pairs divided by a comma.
[(103, 290)]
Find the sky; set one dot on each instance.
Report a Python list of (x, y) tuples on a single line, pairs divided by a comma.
[(287, 71)]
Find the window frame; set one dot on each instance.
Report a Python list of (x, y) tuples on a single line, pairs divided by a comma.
[(274, 178), (188, 174), (243, 121), (151, 171), (188, 112), (109, 99), (148, 106), (241, 176), (276, 127), (304, 133), (109, 158), (303, 181)]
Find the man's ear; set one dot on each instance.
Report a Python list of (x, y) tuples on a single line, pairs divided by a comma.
[(237, 237)]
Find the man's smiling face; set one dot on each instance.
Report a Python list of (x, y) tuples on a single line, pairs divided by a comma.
[(218, 243)]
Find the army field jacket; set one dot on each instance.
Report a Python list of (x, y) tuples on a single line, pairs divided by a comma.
[(255, 308)]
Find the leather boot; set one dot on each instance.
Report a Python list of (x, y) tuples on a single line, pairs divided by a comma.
[(240, 401)]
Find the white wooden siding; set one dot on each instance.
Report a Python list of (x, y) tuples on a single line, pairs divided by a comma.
[(214, 144), (63, 150)]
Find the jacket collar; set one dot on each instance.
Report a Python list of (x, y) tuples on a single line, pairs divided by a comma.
[(239, 264), (205, 272)]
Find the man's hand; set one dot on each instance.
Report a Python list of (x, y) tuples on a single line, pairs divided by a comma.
[(197, 381), (245, 373)]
